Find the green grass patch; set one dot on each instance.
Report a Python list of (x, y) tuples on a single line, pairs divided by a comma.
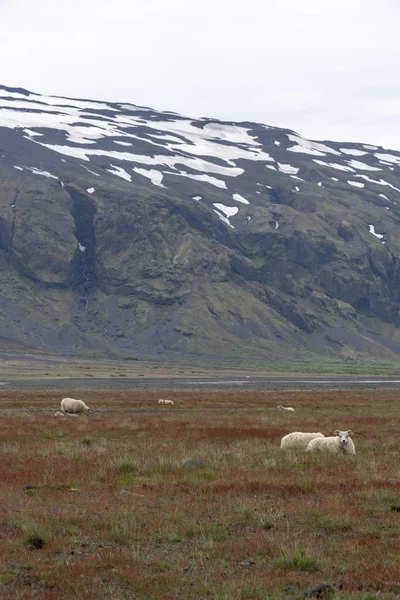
[(35, 538), (300, 560), (332, 523)]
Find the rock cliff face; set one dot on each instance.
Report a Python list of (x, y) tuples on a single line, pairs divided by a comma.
[(127, 230)]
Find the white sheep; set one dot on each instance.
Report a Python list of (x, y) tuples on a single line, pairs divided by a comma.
[(164, 401), (59, 414), (298, 440), (70, 406), (340, 442), (286, 408)]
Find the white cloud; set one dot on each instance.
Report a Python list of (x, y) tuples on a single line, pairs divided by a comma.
[(326, 70)]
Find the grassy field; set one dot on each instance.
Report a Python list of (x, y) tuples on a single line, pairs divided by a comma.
[(22, 365), (105, 507)]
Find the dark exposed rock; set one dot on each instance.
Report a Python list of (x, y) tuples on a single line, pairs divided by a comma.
[(323, 590), (36, 543)]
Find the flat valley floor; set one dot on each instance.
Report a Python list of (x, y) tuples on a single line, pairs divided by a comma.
[(196, 500)]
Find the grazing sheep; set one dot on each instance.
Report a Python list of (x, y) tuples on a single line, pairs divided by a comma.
[(287, 408), (70, 406), (298, 440), (163, 401), (340, 442)]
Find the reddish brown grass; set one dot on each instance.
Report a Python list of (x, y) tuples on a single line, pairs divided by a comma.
[(123, 518)]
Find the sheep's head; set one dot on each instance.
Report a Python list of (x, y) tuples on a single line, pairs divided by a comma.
[(87, 410), (343, 437)]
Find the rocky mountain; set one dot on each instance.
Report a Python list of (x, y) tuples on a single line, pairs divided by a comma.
[(130, 231)]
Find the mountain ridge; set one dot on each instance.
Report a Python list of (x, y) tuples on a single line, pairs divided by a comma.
[(127, 230)]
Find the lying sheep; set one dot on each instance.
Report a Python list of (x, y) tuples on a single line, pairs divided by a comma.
[(163, 401), (70, 406), (61, 414), (340, 442), (298, 440), (287, 408)]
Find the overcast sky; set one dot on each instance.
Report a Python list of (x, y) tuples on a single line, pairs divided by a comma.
[(329, 69)]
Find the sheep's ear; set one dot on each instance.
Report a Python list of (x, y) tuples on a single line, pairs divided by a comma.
[(349, 432), (337, 432)]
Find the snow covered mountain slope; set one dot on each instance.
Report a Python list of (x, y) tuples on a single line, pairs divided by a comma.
[(124, 229)]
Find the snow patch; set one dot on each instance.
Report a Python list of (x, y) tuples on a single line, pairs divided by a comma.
[(206, 178), (309, 147), (333, 165), (391, 158), (372, 230), (284, 168), (134, 108), (36, 171), (356, 164), (152, 174), (224, 219), (90, 190), (231, 133), (119, 172), (197, 164), (240, 198), (197, 198), (19, 168), (92, 172), (380, 182), (229, 211), (356, 184), (352, 151), (31, 133)]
